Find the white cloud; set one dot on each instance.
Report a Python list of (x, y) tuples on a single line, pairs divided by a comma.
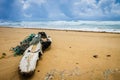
[(116, 9), (76, 9), (86, 8), (28, 3), (90, 8), (25, 4)]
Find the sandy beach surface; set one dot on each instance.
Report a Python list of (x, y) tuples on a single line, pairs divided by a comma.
[(71, 56)]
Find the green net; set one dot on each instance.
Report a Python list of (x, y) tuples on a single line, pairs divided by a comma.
[(19, 50)]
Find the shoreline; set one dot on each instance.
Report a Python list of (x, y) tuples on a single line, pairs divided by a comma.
[(63, 30)]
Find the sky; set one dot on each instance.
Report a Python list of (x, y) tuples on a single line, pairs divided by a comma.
[(35, 10)]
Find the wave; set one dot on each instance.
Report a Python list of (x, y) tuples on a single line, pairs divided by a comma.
[(96, 26)]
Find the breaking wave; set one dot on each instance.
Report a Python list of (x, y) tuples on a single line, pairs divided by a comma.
[(96, 26)]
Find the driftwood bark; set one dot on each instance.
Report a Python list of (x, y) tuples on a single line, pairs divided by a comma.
[(45, 40)]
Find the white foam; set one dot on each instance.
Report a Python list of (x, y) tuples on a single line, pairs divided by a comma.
[(97, 26)]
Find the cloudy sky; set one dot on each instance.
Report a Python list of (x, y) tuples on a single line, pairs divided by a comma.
[(59, 10)]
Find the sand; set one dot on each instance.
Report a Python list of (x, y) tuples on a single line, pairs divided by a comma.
[(72, 55)]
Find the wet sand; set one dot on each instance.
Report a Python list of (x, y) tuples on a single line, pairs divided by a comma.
[(71, 56)]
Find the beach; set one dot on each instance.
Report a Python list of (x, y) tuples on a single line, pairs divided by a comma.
[(73, 55)]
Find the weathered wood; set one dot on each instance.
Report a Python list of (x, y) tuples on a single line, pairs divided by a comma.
[(45, 40), (34, 51), (29, 59)]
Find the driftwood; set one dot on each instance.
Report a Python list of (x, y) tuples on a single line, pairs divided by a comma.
[(45, 40), (31, 55)]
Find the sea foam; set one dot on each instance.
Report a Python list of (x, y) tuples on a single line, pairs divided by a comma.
[(96, 26)]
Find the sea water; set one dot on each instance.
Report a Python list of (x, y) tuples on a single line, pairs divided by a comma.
[(96, 26)]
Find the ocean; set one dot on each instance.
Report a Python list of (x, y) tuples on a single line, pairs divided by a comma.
[(95, 26)]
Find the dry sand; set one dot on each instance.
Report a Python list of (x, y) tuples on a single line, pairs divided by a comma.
[(72, 56)]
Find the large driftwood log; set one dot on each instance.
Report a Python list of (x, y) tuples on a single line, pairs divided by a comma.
[(29, 60), (30, 57)]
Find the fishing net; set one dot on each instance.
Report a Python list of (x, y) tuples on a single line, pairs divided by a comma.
[(31, 40), (19, 50)]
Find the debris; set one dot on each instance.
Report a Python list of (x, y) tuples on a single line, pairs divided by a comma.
[(4, 54), (49, 76), (62, 75), (95, 56), (1, 57), (77, 63), (38, 71), (108, 55), (106, 73), (32, 53), (45, 40), (19, 49)]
